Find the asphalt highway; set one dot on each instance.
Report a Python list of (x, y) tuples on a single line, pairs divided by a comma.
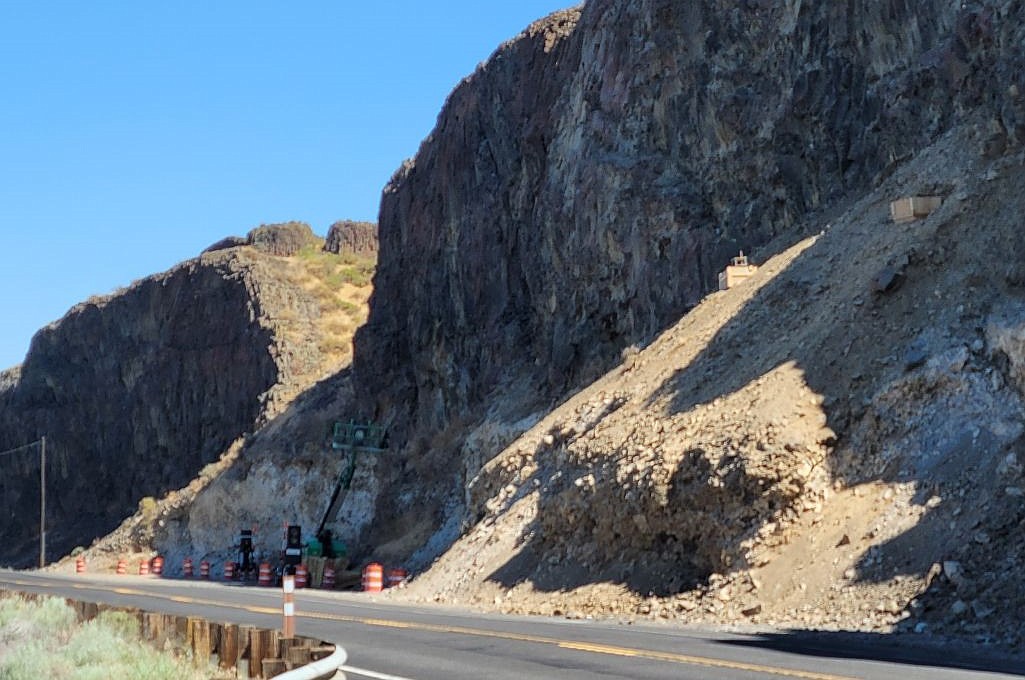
[(390, 641)]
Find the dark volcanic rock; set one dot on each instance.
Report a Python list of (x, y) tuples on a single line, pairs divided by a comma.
[(228, 242), (352, 238), (282, 239), (137, 391), (585, 185)]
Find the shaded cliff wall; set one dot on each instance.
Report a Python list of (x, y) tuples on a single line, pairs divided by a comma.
[(135, 393), (583, 187)]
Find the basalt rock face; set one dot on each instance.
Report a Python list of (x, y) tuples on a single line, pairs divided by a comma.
[(283, 240), (582, 189), (137, 391), (352, 238)]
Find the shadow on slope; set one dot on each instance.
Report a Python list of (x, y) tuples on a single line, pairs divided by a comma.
[(876, 318)]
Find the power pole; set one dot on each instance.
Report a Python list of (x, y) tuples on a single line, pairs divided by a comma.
[(42, 502), (41, 443)]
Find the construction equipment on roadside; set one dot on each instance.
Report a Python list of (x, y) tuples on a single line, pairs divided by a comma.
[(246, 564), (293, 556), (322, 552), (354, 439)]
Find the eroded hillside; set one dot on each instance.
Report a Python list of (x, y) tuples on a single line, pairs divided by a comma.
[(582, 189), (139, 393), (836, 443)]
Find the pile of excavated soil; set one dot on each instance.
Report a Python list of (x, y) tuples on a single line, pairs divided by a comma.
[(833, 444)]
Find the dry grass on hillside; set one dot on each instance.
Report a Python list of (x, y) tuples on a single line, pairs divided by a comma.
[(341, 285)]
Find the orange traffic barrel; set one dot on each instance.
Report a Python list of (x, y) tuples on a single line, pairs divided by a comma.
[(122, 567), (229, 571), (302, 576), (373, 578), (187, 567), (327, 581), (79, 565), (157, 565), (396, 576), (265, 578), (143, 568), (204, 569)]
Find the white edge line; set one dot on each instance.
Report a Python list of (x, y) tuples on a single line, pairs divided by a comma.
[(371, 674)]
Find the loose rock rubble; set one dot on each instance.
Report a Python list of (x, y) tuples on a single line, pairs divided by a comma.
[(810, 449)]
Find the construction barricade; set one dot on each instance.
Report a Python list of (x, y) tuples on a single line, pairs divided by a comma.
[(265, 577), (327, 581), (396, 576), (373, 578)]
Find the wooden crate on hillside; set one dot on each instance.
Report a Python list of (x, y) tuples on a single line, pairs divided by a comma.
[(911, 208), (738, 271)]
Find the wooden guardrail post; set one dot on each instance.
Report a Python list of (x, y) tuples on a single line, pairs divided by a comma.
[(273, 667), (299, 655), (263, 644), (228, 649)]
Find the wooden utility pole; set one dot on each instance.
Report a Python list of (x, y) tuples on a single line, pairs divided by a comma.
[(42, 502)]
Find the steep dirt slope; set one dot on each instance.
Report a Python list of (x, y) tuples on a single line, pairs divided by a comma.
[(835, 443)]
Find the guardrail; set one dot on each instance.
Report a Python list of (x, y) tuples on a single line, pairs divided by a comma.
[(253, 652)]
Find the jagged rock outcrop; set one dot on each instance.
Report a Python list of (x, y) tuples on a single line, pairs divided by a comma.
[(283, 240), (583, 187), (226, 243), (137, 391), (352, 238)]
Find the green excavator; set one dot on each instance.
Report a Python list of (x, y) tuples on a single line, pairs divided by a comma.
[(353, 439)]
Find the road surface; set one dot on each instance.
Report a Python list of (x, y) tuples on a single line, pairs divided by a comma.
[(392, 641)]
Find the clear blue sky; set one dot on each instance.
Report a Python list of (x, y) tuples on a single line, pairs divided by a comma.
[(135, 134)]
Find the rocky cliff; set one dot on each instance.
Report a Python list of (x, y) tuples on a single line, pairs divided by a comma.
[(137, 391), (582, 188), (837, 443), (810, 449)]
